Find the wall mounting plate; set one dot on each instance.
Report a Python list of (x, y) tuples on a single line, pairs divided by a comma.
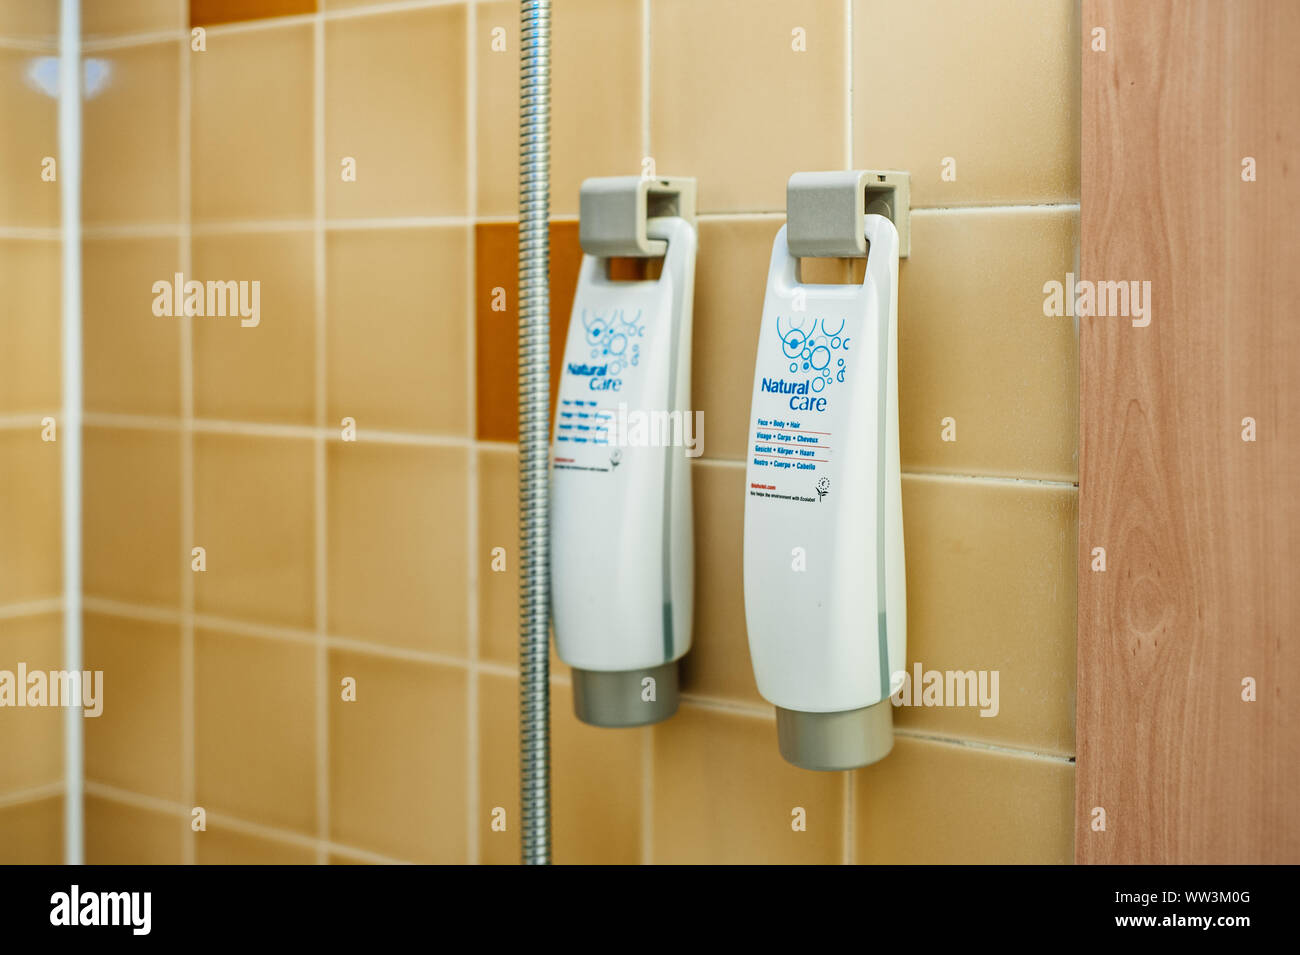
[(824, 210), (613, 211)]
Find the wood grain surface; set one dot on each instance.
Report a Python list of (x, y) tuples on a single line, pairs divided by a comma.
[(1201, 528)]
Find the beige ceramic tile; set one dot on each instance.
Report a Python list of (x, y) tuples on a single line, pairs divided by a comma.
[(398, 758), (939, 803), (595, 126), (31, 135), (498, 527), (221, 846), (266, 371), (31, 738), (131, 533), (31, 833), (975, 346), (733, 103), (723, 795), (30, 335), (254, 512), (140, 16), (993, 86), (718, 663), (730, 282), (31, 519), (398, 329), (405, 123), (397, 535), (251, 125), (596, 781), (131, 138), (135, 744), (255, 729), (131, 356), (29, 19), (120, 834), (991, 586)]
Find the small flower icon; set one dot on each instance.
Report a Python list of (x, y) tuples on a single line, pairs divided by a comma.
[(823, 486)]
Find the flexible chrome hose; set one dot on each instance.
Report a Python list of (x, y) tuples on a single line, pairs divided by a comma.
[(534, 429)]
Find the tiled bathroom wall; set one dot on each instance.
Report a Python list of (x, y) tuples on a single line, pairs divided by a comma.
[(367, 563), (31, 572)]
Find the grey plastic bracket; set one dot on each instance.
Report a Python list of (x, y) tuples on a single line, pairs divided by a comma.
[(613, 212), (824, 211)]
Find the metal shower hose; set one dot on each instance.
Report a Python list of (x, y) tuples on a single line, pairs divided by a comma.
[(534, 429)]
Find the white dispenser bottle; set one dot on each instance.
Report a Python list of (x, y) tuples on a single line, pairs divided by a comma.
[(825, 600), (622, 559)]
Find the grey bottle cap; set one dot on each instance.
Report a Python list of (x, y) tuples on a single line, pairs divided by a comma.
[(846, 739), (616, 697)]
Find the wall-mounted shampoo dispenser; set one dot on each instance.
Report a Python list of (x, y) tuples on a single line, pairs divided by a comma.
[(823, 557), (622, 564)]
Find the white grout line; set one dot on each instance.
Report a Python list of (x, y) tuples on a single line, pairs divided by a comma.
[(24, 45), (1021, 751), (32, 608), (17, 797), (31, 233), (18, 422), (156, 804), (996, 208), (320, 518), (189, 770)]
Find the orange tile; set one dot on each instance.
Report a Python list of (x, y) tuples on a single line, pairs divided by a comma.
[(208, 12), (496, 265), (136, 743)]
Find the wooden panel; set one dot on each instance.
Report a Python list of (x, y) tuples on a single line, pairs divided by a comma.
[(1201, 528)]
